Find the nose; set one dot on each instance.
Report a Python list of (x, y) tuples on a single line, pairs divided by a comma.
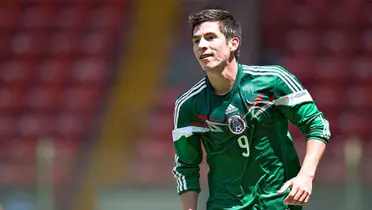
[(203, 43)]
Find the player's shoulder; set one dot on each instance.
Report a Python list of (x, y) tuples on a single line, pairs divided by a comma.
[(191, 96), (267, 73), (265, 70)]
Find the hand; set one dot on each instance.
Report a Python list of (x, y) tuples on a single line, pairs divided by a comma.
[(301, 187)]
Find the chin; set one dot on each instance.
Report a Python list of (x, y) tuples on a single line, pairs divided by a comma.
[(210, 67)]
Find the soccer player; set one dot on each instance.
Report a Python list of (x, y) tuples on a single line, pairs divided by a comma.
[(240, 114)]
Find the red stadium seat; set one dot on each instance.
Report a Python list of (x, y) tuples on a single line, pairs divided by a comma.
[(338, 43), (96, 43), (44, 98), (37, 16), (7, 127), (69, 125), (90, 70), (12, 100), (362, 69), (28, 43), (33, 125), (64, 43), (17, 72), (54, 72), (355, 124), (80, 99), (107, 17), (5, 38), (302, 16), (9, 15), (275, 13), (328, 96), (300, 66), (359, 96), (332, 70), (73, 15), (302, 42), (366, 42)]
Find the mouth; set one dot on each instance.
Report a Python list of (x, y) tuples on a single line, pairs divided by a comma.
[(205, 56)]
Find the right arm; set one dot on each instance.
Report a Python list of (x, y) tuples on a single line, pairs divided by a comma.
[(187, 158)]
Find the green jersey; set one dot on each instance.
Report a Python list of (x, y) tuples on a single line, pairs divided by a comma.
[(249, 150)]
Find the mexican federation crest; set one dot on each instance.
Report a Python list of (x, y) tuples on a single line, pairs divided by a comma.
[(236, 124)]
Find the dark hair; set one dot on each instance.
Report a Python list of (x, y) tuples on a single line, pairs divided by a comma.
[(229, 25)]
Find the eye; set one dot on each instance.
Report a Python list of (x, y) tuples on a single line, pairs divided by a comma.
[(209, 38), (196, 41)]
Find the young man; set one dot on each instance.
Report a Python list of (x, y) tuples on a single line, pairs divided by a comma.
[(240, 114)]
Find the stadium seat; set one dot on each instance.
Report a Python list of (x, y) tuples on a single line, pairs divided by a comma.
[(44, 98), (54, 72), (107, 17), (338, 42), (7, 125), (359, 97), (38, 16), (5, 38), (366, 41), (9, 16), (302, 42), (27, 44), (362, 66), (331, 70), (17, 72), (12, 100), (33, 125), (90, 70), (327, 96), (96, 43), (74, 14), (79, 99), (64, 43), (300, 66)]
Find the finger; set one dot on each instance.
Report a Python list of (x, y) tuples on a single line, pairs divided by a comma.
[(297, 196), (301, 201), (307, 198), (286, 185), (289, 198)]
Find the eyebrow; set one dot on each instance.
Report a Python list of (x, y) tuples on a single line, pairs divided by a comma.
[(209, 33)]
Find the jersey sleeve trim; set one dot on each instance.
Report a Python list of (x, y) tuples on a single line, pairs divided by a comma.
[(294, 98), (188, 131), (197, 88)]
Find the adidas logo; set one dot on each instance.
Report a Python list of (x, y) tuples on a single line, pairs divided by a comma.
[(231, 109)]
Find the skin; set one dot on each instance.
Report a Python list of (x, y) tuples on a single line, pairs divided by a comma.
[(221, 68)]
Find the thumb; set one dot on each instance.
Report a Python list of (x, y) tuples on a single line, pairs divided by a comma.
[(287, 185)]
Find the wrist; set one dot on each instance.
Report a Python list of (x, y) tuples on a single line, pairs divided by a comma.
[(306, 174)]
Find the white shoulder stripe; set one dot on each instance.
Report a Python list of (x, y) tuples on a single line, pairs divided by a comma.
[(275, 74), (293, 84), (193, 91), (274, 68), (294, 98)]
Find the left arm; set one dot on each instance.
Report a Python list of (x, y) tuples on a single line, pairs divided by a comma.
[(297, 105)]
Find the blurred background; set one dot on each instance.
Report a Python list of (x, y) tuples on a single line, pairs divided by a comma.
[(87, 89)]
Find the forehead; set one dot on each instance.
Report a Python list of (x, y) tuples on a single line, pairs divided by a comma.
[(207, 27)]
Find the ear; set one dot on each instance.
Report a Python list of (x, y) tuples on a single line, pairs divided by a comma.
[(234, 43)]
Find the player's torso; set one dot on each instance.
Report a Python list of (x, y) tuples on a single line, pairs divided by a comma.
[(235, 121)]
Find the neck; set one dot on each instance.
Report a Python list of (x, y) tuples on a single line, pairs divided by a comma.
[(223, 81)]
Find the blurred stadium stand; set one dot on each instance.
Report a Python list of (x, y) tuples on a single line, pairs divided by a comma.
[(55, 67)]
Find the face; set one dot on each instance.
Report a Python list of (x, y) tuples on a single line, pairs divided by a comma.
[(211, 48)]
